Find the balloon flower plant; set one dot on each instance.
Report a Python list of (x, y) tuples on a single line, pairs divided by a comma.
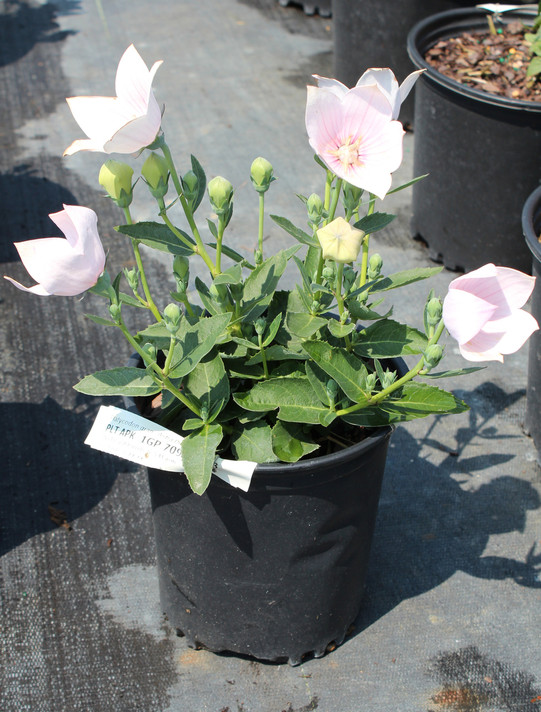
[(235, 365)]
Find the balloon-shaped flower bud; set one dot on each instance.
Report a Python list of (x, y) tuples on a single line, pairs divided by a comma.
[(375, 264), (116, 178), (432, 356), (220, 193), (190, 186), (261, 174), (155, 173), (114, 311), (348, 277), (151, 351), (181, 267), (371, 381), (314, 206), (433, 310), (260, 325), (340, 241), (132, 278), (352, 197), (171, 317)]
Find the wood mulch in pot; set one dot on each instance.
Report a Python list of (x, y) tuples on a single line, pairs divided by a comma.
[(495, 63)]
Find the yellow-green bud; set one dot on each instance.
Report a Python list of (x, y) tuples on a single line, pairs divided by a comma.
[(132, 277), (171, 316), (114, 311), (190, 186), (371, 381), (434, 311), (156, 174), (260, 325), (374, 266), (116, 178), (261, 174), (314, 206), (181, 266), (432, 356), (220, 193), (151, 351)]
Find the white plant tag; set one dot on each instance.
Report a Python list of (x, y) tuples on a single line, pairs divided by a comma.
[(497, 8), (137, 439)]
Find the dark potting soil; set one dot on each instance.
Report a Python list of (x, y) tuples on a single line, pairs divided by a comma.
[(495, 63)]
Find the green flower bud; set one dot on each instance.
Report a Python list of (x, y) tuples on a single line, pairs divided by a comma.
[(261, 174), (181, 266), (374, 266), (220, 193), (388, 378), (316, 306), (132, 277), (114, 311), (190, 186), (156, 174), (260, 325), (151, 351), (348, 277), (434, 311), (432, 356), (258, 257), (344, 316), (371, 381), (314, 206), (116, 178), (352, 197), (328, 272), (171, 317)]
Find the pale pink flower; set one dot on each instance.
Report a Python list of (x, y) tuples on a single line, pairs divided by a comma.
[(125, 123), (64, 267), (482, 311), (354, 133), (384, 78)]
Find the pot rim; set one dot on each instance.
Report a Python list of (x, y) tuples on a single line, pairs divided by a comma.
[(531, 217), (425, 33)]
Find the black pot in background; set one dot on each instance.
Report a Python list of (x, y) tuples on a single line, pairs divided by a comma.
[(483, 154), (372, 33), (531, 226)]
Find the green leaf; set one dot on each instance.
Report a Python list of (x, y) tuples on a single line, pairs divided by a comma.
[(290, 443), (374, 222), (199, 454), (303, 325), (233, 275), (233, 255), (100, 320), (294, 397), (388, 339), (158, 236), (272, 330), (454, 372), (408, 184), (346, 369), (201, 182), (195, 341), (254, 442), (416, 400), (205, 297), (534, 67), (294, 231), (277, 352), (156, 334), (124, 381), (261, 284), (401, 279), (209, 383), (361, 312), (339, 330), (318, 380)]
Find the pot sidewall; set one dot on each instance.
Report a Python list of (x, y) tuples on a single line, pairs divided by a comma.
[(482, 156)]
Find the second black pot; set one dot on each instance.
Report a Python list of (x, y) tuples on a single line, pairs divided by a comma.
[(531, 226), (482, 153)]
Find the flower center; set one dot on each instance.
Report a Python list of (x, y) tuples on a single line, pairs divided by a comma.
[(348, 153)]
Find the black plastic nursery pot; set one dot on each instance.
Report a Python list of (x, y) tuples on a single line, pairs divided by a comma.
[(277, 572), (531, 226), (481, 151), (372, 33)]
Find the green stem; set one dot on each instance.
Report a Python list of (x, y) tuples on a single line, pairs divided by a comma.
[(366, 245), (334, 203), (174, 230), (339, 297), (167, 366), (219, 240), (263, 356), (200, 249), (381, 395), (328, 184), (261, 220), (139, 261)]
